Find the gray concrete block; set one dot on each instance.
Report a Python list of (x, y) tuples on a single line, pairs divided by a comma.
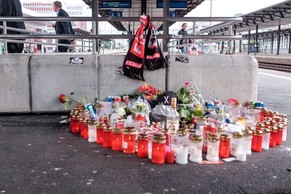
[(221, 76), (113, 84), (52, 75), (14, 83)]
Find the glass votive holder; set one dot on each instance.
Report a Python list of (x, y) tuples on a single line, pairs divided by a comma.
[(284, 135), (91, 130), (224, 146), (280, 134), (128, 140), (273, 136), (74, 124), (266, 139), (116, 139), (120, 123), (236, 143), (213, 148), (107, 137), (195, 147), (257, 141), (158, 148), (181, 149), (99, 134), (142, 145), (247, 144)]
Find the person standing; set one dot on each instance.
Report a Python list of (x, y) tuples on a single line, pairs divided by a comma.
[(183, 32), (62, 27), (12, 8)]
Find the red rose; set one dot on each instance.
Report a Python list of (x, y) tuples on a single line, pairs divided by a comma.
[(62, 98), (143, 87)]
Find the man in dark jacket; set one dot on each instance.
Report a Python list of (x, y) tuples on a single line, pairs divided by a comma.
[(10, 8), (62, 27)]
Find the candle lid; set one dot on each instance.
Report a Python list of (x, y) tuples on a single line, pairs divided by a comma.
[(196, 138), (237, 135), (280, 127), (247, 133), (182, 132), (266, 130), (116, 130), (273, 129), (107, 129), (92, 122), (129, 130), (224, 137), (159, 138), (258, 132), (142, 136), (213, 138)]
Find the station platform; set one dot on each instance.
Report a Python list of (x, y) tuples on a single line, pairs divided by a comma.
[(37, 155)]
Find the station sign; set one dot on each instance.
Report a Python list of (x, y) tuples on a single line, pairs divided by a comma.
[(173, 4), (115, 4), (173, 14), (115, 13)]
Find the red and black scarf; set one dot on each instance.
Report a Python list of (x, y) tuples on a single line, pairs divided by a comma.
[(143, 53)]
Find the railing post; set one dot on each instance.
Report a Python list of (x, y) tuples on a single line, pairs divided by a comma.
[(229, 42), (5, 40)]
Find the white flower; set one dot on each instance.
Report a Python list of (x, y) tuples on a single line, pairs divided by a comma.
[(120, 111)]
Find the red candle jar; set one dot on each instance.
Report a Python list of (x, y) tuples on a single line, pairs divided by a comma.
[(260, 126), (105, 119), (74, 124), (120, 123), (257, 141), (167, 135), (170, 157), (224, 146), (158, 149), (142, 148), (84, 128), (139, 117), (107, 137), (273, 136), (279, 134), (99, 133), (128, 143), (116, 139), (209, 129), (83, 122)]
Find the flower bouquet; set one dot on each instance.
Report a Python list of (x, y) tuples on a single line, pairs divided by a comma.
[(192, 102)]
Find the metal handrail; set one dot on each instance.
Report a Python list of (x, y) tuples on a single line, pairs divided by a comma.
[(120, 19), (34, 35)]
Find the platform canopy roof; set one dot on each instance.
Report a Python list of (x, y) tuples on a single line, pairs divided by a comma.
[(135, 11), (278, 14)]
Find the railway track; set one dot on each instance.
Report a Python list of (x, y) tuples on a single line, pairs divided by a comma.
[(277, 67)]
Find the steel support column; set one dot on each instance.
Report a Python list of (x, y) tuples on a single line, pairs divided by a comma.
[(166, 5), (95, 12), (278, 39), (272, 43), (233, 49), (256, 39), (143, 10), (289, 44), (249, 40)]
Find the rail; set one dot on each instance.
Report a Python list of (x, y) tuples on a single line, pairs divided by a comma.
[(95, 36)]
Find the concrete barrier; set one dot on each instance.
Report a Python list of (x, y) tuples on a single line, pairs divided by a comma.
[(52, 75), (113, 84), (217, 76), (34, 85), (14, 83)]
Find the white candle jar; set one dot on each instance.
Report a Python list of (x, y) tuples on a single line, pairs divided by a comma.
[(195, 148), (247, 142), (92, 131), (284, 135), (181, 148), (266, 139), (213, 148), (236, 143)]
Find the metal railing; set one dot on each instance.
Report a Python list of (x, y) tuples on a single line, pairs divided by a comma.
[(95, 36)]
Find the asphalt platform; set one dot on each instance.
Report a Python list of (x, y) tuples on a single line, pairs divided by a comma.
[(38, 155)]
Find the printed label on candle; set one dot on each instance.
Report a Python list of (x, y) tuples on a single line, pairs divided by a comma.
[(124, 145)]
